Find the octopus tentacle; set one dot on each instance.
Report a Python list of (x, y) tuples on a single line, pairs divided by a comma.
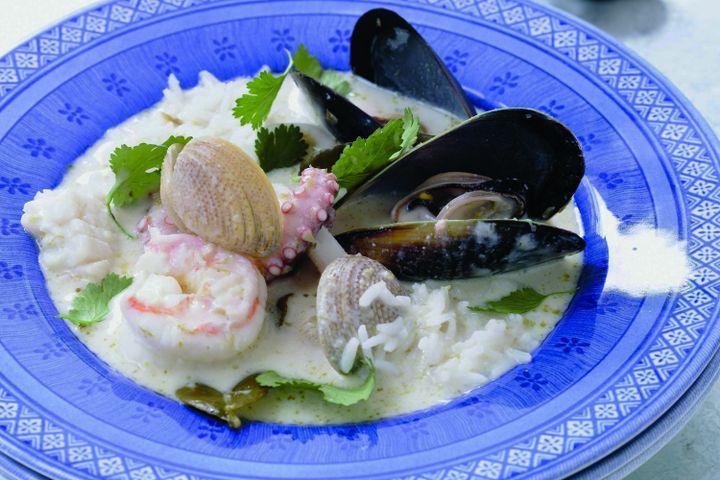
[(307, 209)]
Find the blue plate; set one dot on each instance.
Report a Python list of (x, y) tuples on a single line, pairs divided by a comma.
[(613, 365), (12, 470), (639, 450), (615, 466)]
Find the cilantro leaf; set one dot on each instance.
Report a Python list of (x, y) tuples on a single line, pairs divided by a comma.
[(331, 393), (332, 79), (172, 140), (282, 147), (91, 305), (306, 63), (367, 156), (130, 166), (411, 127), (137, 173), (310, 66), (519, 301), (254, 107)]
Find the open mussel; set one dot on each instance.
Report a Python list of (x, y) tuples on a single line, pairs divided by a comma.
[(452, 249), (460, 188), (460, 196), (383, 44), (522, 144)]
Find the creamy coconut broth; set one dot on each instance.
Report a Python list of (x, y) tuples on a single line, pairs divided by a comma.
[(436, 350)]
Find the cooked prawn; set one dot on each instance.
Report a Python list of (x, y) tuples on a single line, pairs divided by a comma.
[(195, 300)]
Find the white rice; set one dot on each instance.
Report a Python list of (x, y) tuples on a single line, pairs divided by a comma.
[(435, 331)]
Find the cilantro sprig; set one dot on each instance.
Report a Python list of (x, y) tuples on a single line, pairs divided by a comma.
[(331, 393), (367, 156), (228, 406), (91, 305), (254, 107), (137, 173), (519, 301), (282, 147)]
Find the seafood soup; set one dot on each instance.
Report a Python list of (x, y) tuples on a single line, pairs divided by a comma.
[(314, 246)]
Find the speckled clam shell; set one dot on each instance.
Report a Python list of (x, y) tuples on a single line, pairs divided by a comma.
[(338, 312), (213, 189)]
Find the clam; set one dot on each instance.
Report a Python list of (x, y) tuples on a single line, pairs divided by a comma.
[(460, 195), (451, 249), (522, 144), (383, 44), (339, 314), (213, 189)]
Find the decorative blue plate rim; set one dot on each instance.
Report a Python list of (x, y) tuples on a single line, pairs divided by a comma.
[(631, 456), (523, 457)]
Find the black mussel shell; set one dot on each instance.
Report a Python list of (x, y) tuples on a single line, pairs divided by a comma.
[(341, 117), (386, 50), (516, 143), (453, 249)]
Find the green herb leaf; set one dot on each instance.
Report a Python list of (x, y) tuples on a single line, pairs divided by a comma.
[(331, 393), (92, 303), (254, 107), (411, 127), (131, 166), (332, 79), (282, 147), (310, 66), (519, 301), (367, 156), (306, 63), (137, 173), (172, 140)]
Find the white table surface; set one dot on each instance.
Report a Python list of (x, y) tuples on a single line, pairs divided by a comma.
[(679, 37)]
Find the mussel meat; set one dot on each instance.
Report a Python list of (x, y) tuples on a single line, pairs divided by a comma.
[(383, 44), (461, 196), (451, 249)]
